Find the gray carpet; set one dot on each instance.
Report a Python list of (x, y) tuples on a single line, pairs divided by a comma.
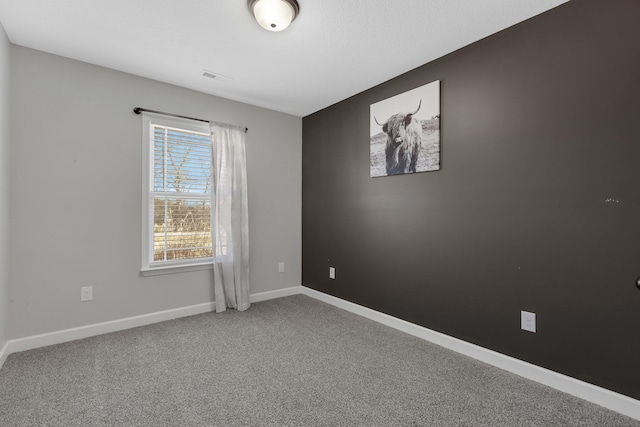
[(293, 361)]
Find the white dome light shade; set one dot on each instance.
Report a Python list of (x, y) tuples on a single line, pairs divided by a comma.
[(274, 15)]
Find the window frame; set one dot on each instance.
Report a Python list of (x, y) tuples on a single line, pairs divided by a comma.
[(148, 266)]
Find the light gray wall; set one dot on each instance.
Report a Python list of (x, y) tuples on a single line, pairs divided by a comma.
[(76, 188), (4, 184)]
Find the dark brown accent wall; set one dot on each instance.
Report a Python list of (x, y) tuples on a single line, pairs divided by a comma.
[(536, 207)]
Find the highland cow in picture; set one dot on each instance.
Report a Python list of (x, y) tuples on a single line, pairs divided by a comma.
[(408, 140), (404, 140)]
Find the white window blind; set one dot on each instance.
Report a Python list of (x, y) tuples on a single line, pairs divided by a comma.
[(178, 181)]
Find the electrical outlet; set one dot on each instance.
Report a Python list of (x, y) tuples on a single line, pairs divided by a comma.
[(86, 293), (281, 267), (332, 273), (528, 321)]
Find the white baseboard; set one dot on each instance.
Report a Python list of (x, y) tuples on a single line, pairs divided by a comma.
[(4, 353), (58, 337), (280, 293), (589, 392)]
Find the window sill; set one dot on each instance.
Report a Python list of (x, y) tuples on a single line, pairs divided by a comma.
[(171, 269)]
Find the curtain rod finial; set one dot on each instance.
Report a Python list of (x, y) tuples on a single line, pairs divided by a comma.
[(137, 110)]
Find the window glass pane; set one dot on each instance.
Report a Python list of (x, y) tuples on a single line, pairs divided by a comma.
[(182, 161), (182, 228)]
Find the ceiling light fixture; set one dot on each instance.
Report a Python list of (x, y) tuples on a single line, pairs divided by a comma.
[(274, 15)]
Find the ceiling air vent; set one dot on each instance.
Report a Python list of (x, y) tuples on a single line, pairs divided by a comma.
[(215, 76)]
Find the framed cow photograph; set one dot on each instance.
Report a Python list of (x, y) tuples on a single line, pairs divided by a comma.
[(405, 132)]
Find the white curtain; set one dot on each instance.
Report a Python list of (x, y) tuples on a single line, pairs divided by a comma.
[(229, 218)]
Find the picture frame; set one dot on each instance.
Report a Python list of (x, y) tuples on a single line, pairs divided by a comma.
[(405, 132)]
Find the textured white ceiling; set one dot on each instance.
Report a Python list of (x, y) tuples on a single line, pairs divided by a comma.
[(333, 50)]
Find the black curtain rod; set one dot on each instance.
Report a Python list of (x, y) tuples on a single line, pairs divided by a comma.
[(139, 110)]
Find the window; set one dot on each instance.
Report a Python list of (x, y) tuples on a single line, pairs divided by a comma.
[(177, 194)]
